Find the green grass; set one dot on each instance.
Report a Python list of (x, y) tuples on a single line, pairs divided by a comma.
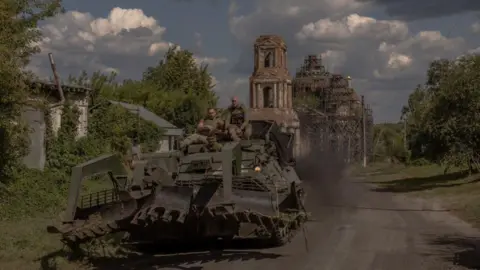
[(457, 189), (30, 205), (24, 245)]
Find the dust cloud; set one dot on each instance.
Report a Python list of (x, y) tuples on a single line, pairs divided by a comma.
[(321, 172), (318, 167)]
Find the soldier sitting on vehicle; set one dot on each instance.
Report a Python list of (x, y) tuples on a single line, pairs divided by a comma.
[(214, 121), (206, 132), (217, 130), (237, 122)]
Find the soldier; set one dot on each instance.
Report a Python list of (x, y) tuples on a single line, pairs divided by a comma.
[(198, 137), (213, 120), (207, 131), (217, 129), (237, 121)]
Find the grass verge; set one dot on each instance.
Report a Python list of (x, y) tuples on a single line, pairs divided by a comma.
[(456, 189), (27, 207)]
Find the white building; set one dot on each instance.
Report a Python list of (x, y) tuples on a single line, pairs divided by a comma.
[(34, 116), (170, 132)]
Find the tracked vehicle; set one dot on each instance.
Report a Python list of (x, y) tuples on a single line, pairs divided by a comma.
[(245, 189)]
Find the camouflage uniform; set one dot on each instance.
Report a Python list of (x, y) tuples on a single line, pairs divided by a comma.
[(217, 126), (205, 135), (215, 122), (238, 123), (193, 139)]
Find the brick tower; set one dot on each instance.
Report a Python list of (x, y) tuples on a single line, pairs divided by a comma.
[(271, 86)]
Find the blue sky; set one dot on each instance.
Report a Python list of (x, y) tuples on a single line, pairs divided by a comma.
[(385, 45)]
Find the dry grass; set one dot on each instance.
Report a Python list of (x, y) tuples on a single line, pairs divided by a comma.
[(455, 190)]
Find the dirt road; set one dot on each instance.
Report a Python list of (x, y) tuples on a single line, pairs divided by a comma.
[(355, 229)]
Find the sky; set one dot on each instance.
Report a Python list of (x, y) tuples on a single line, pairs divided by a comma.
[(385, 46)]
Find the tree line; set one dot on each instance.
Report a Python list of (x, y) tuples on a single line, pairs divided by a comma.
[(442, 115), (441, 121)]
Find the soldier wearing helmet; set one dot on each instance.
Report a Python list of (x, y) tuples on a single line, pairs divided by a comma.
[(237, 121)]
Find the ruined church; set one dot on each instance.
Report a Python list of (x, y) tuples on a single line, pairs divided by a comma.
[(271, 96)]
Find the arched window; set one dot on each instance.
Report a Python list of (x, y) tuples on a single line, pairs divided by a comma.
[(268, 60)]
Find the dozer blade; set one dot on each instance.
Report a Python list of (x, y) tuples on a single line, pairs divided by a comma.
[(174, 197), (171, 203)]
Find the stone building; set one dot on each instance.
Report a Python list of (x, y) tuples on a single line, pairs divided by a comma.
[(35, 117), (338, 119), (271, 96), (335, 90)]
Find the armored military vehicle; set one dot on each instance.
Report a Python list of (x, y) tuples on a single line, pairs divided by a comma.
[(245, 189)]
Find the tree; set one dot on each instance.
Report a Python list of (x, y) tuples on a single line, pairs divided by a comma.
[(18, 41), (388, 142), (179, 90), (443, 115)]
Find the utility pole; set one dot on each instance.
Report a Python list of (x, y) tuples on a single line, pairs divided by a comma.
[(405, 144), (364, 129), (349, 151)]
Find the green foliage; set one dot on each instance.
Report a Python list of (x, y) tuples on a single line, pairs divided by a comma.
[(389, 142), (178, 89), (33, 193), (59, 147), (443, 115), (117, 128), (18, 35)]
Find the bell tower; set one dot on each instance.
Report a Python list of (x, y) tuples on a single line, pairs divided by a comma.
[(271, 86), (270, 83)]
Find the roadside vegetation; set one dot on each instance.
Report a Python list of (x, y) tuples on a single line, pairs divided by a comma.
[(176, 89), (440, 157)]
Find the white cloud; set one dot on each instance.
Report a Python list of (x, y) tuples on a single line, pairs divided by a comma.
[(126, 31), (399, 61), (333, 59), (159, 47), (79, 41), (412, 55), (353, 26), (210, 61), (475, 51), (476, 27), (376, 49), (277, 14), (121, 19)]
